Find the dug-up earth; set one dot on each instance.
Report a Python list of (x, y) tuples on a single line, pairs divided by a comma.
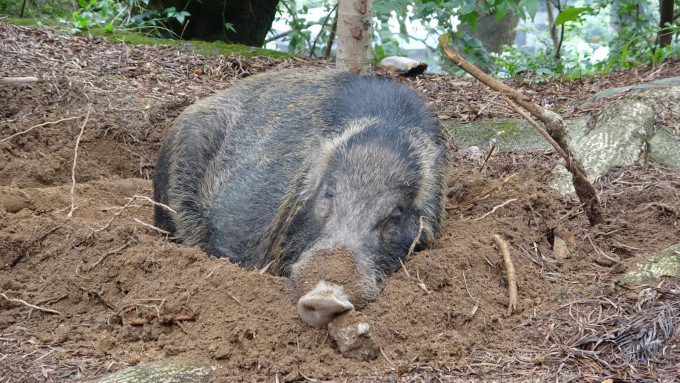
[(88, 287)]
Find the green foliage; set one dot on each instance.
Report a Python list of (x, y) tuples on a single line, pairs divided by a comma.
[(37, 9), (110, 14), (637, 40), (572, 14), (297, 15)]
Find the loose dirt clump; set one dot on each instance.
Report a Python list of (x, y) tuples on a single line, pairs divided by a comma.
[(103, 290)]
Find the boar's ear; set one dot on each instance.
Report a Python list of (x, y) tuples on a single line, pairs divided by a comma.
[(315, 166)]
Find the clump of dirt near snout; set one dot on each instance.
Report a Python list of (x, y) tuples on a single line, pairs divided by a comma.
[(337, 267)]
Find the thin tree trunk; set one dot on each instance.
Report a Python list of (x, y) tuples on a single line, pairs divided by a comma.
[(331, 37), (666, 13), (553, 28), (354, 35)]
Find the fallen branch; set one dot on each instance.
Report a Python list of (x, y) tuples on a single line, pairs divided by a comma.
[(510, 270), (75, 159), (23, 302), (554, 126)]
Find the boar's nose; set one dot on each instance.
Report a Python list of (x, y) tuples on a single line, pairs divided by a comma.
[(322, 304)]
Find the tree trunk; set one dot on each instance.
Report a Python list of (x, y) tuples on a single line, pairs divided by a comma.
[(355, 27), (250, 19), (492, 34), (666, 13)]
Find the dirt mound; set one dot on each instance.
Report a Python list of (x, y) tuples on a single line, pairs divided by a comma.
[(120, 293)]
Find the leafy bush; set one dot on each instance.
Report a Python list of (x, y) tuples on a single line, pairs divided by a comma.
[(110, 14)]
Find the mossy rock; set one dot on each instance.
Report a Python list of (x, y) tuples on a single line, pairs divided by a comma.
[(664, 264), (509, 134), (164, 371)]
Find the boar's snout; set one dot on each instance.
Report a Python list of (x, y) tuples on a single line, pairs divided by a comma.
[(322, 304)]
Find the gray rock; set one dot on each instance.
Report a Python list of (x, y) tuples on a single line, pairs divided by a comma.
[(664, 149), (666, 263), (618, 138)]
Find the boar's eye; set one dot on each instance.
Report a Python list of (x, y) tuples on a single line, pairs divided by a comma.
[(395, 216), (330, 189)]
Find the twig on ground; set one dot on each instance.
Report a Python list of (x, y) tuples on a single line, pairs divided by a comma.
[(37, 126), (488, 155), (103, 257), (75, 160), (145, 198), (404, 267), (128, 204), (16, 80), (385, 356), (152, 227), (571, 212), (476, 307), (497, 188), (510, 270), (23, 302), (496, 208), (663, 207)]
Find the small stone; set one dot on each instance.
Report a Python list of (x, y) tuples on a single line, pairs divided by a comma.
[(352, 333)]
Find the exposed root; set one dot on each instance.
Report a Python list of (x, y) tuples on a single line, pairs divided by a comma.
[(37, 126), (510, 270), (75, 160)]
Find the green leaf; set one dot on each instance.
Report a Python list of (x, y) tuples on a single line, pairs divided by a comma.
[(470, 19), (531, 7), (82, 3), (571, 14)]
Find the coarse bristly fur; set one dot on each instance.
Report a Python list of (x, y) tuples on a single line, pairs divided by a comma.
[(286, 164)]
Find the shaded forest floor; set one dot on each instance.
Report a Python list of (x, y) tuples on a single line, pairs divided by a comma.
[(122, 294)]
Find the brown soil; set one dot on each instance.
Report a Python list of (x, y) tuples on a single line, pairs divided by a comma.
[(124, 294)]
